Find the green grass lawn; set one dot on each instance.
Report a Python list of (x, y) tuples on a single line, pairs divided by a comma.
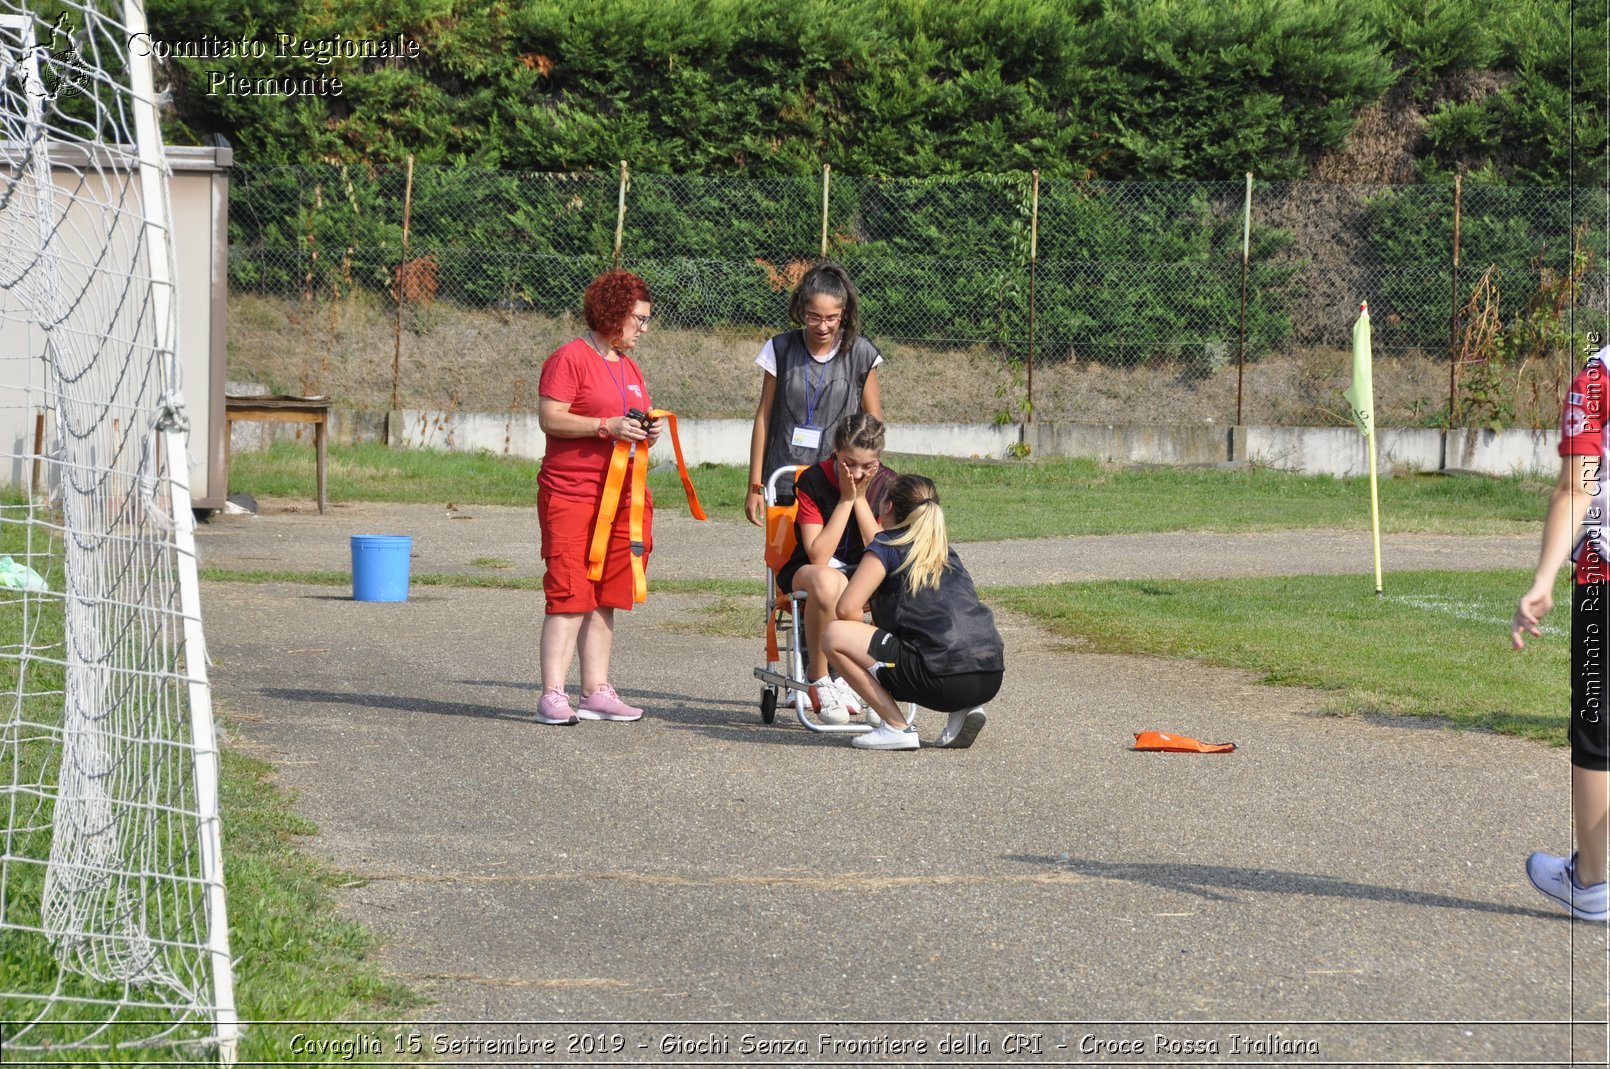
[(1436, 645), (983, 499)]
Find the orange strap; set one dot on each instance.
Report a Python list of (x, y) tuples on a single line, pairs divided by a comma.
[(1162, 740), (681, 465), (613, 481), (635, 525), (620, 460), (772, 653), (780, 541)]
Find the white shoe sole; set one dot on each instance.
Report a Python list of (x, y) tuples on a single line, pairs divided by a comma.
[(555, 723), (966, 731)]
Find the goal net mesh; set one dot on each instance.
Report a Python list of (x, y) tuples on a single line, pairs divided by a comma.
[(111, 908)]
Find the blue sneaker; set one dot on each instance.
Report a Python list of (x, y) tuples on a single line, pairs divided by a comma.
[(1556, 877)]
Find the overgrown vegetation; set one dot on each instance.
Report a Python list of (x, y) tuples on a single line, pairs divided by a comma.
[(1525, 235)]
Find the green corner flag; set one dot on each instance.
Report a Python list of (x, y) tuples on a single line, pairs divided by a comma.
[(1361, 399), (1361, 394)]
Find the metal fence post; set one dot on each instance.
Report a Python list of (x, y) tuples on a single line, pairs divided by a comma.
[(827, 179), (402, 277), (1453, 316), (1034, 260), (620, 216), (1246, 246)]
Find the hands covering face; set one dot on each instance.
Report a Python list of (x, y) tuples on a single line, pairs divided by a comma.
[(853, 482)]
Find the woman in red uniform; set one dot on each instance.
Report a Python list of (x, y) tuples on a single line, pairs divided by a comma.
[(1577, 528), (587, 388)]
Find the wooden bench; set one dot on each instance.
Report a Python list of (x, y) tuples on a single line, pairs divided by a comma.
[(273, 408)]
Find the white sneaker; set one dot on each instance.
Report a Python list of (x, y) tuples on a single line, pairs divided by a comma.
[(1556, 877), (887, 737), (832, 708), (962, 728)]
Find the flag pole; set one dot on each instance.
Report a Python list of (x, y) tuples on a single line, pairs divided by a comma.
[(1375, 513)]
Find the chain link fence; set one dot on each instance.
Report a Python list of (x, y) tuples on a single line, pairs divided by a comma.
[(340, 268)]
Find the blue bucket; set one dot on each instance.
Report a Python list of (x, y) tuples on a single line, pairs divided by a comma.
[(380, 567)]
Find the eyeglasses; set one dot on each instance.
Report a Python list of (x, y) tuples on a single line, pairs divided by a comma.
[(812, 319), (642, 321)]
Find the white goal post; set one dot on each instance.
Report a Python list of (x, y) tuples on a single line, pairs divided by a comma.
[(113, 929)]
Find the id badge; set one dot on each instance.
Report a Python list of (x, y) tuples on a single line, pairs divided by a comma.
[(807, 437)]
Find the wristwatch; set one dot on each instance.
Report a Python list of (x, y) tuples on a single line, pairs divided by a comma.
[(757, 488), (603, 428)]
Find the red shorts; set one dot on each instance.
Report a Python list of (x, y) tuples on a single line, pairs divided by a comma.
[(567, 531)]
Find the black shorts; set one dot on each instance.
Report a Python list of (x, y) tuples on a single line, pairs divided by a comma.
[(785, 576), (904, 676), (1588, 624)]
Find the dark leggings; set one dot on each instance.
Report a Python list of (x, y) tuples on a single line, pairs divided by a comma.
[(1588, 624)]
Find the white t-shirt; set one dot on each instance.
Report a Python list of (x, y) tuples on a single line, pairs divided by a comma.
[(768, 357)]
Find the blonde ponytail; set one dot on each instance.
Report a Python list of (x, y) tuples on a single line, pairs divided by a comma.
[(916, 509)]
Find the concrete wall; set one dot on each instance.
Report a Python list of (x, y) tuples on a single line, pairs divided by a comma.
[(1342, 451), (704, 441), (1134, 443), (1504, 452), (1338, 451)]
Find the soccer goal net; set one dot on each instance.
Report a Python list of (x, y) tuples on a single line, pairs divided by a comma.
[(112, 925)]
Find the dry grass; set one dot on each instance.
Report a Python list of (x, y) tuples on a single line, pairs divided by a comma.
[(489, 361)]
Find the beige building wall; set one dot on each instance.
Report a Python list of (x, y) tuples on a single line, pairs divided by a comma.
[(199, 200)]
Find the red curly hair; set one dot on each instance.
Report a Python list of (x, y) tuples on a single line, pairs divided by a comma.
[(609, 299)]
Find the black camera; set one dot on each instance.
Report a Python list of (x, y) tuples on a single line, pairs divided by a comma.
[(642, 418)]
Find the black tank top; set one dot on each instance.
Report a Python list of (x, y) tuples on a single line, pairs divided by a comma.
[(827, 392)]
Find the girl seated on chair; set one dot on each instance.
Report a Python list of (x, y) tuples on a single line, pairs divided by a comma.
[(837, 515), (931, 642)]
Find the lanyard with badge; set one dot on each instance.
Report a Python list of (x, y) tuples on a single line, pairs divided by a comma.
[(809, 435), (619, 383)]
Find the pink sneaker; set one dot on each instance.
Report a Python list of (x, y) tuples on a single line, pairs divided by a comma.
[(554, 708), (605, 704)]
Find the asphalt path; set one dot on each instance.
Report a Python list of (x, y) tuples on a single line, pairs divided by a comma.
[(1351, 886)]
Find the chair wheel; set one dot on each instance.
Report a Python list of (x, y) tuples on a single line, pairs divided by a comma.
[(768, 705)]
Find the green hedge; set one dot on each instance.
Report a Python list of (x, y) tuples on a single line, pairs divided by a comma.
[(1077, 88), (1082, 89)]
